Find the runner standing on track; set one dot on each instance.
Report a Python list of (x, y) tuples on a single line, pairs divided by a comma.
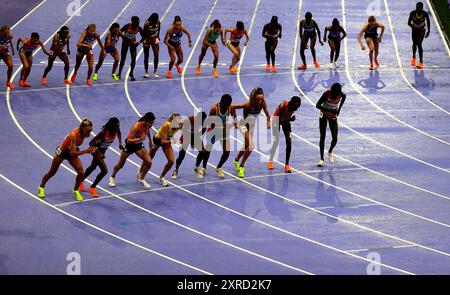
[(129, 41), (152, 28), (309, 31), (334, 40), (416, 21), (6, 38), (210, 41), (173, 42), (60, 40), (271, 32), (236, 35), (370, 31), (111, 41)]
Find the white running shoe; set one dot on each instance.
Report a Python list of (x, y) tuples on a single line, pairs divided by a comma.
[(155, 74), (320, 164), (330, 157), (220, 172), (175, 174), (145, 184), (336, 65), (112, 182), (146, 75), (331, 66), (201, 173), (163, 181)]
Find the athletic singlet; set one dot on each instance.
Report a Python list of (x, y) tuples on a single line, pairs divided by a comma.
[(223, 117), (141, 130), (30, 46), (59, 45), (152, 30), (65, 144), (273, 31), (282, 112), (170, 132), (418, 22), (114, 41), (331, 104), (371, 31), (175, 37), (213, 36), (4, 43), (335, 32), (106, 141), (236, 35), (89, 40), (309, 29), (130, 33)]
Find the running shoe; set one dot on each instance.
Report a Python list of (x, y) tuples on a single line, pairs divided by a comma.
[(267, 68), (331, 66), (287, 169), (155, 74), (72, 79), (241, 172), (201, 173), (10, 85), (95, 77), (316, 64), (274, 69), (302, 67), (67, 81), (330, 157), (21, 83), (175, 174), (163, 182), (377, 64), (146, 75), (321, 163), (413, 61), (237, 164), (41, 192), (233, 70), (145, 184), (270, 165), (420, 66), (93, 192), (132, 78), (112, 181), (198, 70), (44, 81), (89, 82), (371, 67), (336, 65), (215, 74), (115, 77), (220, 172), (169, 75), (195, 170), (81, 187), (77, 195), (26, 84), (179, 69)]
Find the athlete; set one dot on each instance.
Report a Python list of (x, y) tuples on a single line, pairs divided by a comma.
[(192, 136), (163, 139), (6, 38), (85, 44), (309, 31), (26, 55), (135, 144), (236, 35), (151, 31), (370, 31), (173, 42), (219, 119), (102, 142), (336, 35), (271, 32), (129, 41), (111, 41), (251, 110), (69, 150), (282, 117), (60, 40), (329, 104), (416, 21), (214, 32)]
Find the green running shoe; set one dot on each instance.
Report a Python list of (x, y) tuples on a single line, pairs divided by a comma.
[(236, 164), (41, 192), (95, 77), (241, 172), (77, 195), (115, 77)]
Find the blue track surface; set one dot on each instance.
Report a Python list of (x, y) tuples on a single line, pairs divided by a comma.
[(388, 191)]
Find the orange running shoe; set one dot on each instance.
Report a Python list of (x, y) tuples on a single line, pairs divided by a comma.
[(10, 85), (316, 64), (287, 169), (73, 77), (377, 65), (179, 69), (82, 188), (302, 67), (21, 83), (67, 81), (43, 80), (93, 192), (233, 70), (169, 75), (274, 69), (267, 68), (215, 74), (371, 67), (413, 61), (26, 84), (198, 70), (270, 165), (420, 66), (89, 82)]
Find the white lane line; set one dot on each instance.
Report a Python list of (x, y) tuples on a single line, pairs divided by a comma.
[(380, 248), (438, 26), (28, 14), (101, 229), (346, 206), (366, 98), (400, 64)]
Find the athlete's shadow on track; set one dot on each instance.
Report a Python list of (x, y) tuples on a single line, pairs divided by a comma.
[(276, 206), (307, 84), (3, 268), (424, 85), (326, 196), (373, 83), (332, 78)]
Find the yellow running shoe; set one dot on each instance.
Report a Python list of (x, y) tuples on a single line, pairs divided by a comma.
[(95, 77), (77, 195), (241, 172), (236, 164), (41, 192)]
